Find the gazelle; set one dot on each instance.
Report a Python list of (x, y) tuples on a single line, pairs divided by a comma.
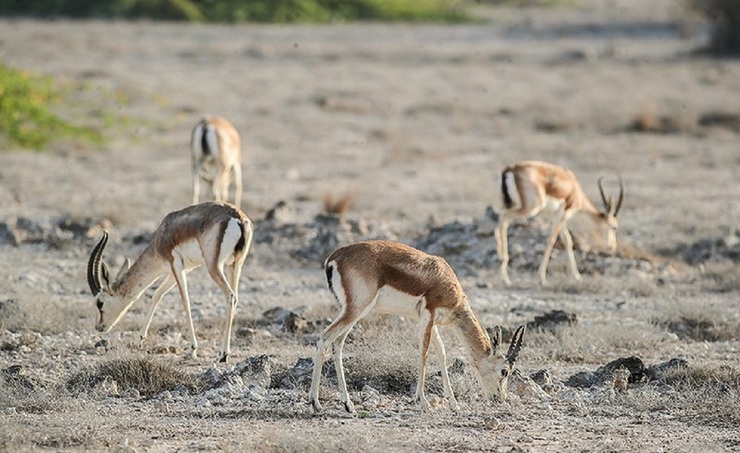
[(211, 234), (529, 187), (216, 158), (390, 277)]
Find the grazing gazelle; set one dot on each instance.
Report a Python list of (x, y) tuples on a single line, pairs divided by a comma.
[(528, 187), (216, 158), (390, 277), (211, 234)]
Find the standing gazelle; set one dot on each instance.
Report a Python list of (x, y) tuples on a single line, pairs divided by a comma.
[(393, 278), (529, 187), (211, 234), (216, 158)]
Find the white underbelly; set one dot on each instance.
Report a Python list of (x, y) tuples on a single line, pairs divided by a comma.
[(395, 302), (190, 253)]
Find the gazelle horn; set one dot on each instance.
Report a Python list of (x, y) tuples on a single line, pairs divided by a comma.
[(94, 265)]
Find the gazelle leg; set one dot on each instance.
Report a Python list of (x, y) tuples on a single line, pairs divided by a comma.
[(178, 270), (439, 347), (566, 237), (238, 185), (339, 366), (339, 328), (196, 181), (221, 186), (562, 220), (426, 325), (217, 275), (502, 247), (166, 285)]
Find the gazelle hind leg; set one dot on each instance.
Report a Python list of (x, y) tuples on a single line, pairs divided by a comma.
[(217, 275), (178, 270), (238, 185), (339, 328), (339, 367)]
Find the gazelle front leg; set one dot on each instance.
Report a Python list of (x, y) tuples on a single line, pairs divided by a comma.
[(426, 324), (178, 270), (502, 248), (559, 224), (442, 358), (566, 237), (166, 285)]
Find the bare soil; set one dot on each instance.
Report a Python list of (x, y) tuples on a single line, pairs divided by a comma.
[(413, 122)]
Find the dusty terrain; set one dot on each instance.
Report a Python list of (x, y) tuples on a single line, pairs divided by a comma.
[(413, 122)]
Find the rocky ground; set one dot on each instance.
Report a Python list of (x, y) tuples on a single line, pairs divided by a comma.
[(409, 125)]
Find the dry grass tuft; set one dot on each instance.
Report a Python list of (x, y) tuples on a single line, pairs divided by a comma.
[(651, 121), (722, 277), (719, 380), (140, 373), (630, 252), (339, 204), (384, 356), (706, 322)]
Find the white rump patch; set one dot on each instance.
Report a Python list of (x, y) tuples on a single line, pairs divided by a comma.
[(212, 139), (231, 237), (512, 190)]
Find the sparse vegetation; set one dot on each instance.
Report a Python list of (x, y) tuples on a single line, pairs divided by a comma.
[(26, 118), (144, 375), (339, 204), (305, 11)]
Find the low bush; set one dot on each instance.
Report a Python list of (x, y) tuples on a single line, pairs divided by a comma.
[(25, 115), (278, 11)]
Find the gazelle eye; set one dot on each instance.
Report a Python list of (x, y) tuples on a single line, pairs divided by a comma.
[(504, 372), (99, 304)]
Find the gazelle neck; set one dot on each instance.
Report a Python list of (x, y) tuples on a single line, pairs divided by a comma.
[(474, 336), (140, 276)]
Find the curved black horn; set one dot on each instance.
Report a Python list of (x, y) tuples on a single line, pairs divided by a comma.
[(516, 344), (93, 265), (621, 196), (600, 182)]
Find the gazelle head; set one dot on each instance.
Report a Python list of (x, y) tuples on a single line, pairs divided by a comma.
[(111, 305), (609, 223), (494, 369)]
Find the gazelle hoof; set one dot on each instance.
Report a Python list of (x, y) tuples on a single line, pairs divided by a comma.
[(316, 406), (349, 407)]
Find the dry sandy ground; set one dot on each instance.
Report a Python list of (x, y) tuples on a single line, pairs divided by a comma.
[(415, 122)]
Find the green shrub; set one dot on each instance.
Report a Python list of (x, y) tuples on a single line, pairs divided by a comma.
[(276, 11), (25, 116)]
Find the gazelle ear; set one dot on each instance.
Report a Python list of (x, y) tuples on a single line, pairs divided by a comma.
[(105, 275), (496, 340), (516, 344), (124, 268)]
